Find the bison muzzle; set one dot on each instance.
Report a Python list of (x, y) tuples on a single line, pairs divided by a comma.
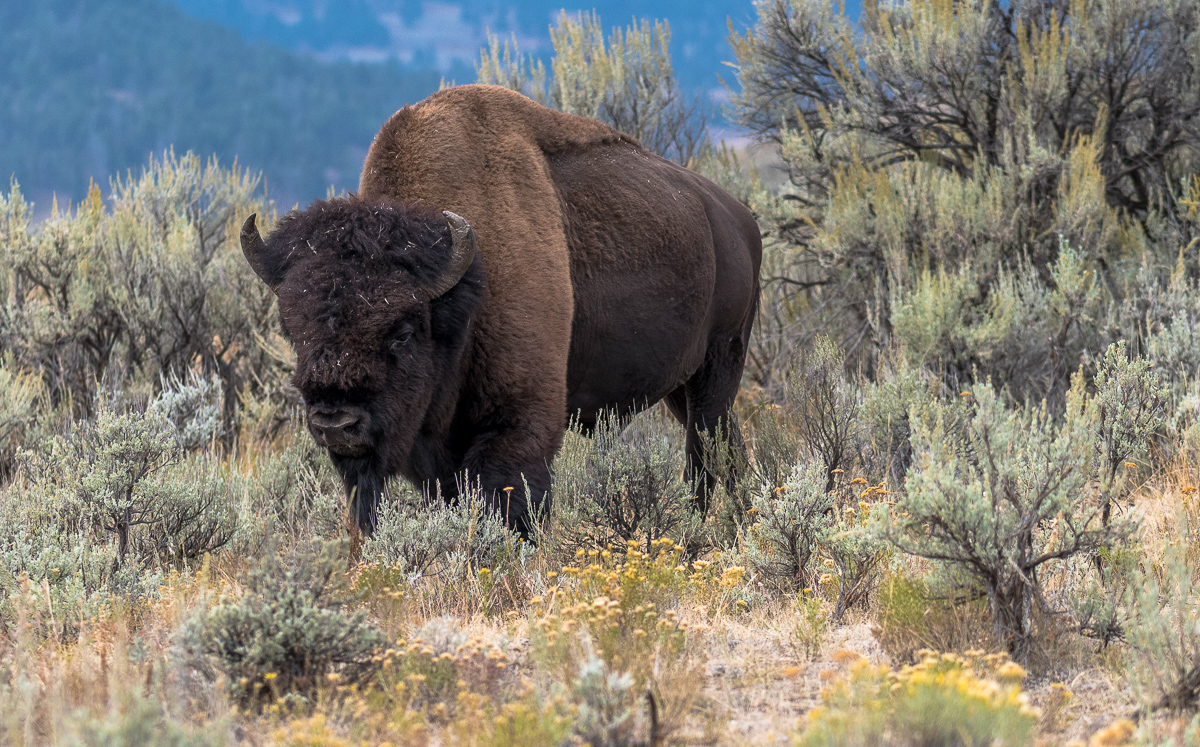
[(505, 267)]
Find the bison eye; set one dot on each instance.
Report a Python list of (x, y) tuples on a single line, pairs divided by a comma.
[(402, 338)]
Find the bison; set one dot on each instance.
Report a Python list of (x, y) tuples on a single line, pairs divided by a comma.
[(502, 268)]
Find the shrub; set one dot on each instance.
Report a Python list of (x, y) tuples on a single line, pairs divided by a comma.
[(426, 537), (142, 722), (932, 209), (143, 291), (999, 499), (294, 494), (193, 407), (625, 81), (1163, 632), (288, 630), (792, 523), (618, 611), (942, 700), (824, 407), (66, 322), (777, 448), (608, 713), (1128, 408), (530, 720), (620, 485), (122, 475), (440, 661), (912, 617), (886, 425), (183, 284), (22, 395), (853, 553)]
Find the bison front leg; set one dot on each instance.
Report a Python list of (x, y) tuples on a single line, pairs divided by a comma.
[(513, 472)]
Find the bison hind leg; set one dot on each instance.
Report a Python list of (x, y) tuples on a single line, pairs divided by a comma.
[(715, 449)]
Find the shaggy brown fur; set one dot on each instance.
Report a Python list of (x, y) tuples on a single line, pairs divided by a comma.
[(606, 277)]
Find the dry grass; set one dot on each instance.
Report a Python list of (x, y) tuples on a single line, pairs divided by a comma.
[(744, 674)]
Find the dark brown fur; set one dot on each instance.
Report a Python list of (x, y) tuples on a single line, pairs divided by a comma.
[(607, 277)]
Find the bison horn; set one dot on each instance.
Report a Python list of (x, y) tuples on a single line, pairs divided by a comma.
[(254, 248), (462, 253)]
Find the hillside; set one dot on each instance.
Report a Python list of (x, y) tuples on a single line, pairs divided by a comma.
[(449, 34), (93, 88)]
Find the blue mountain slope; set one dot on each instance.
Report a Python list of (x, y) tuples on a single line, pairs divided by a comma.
[(443, 33), (91, 88)]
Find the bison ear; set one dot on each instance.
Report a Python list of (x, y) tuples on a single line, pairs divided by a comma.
[(255, 250), (462, 253)]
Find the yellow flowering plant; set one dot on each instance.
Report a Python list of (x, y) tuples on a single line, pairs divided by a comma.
[(619, 608), (974, 698)]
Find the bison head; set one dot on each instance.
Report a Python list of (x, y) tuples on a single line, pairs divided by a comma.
[(376, 297)]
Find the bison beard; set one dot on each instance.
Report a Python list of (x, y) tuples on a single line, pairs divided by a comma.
[(584, 275), (365, 480)]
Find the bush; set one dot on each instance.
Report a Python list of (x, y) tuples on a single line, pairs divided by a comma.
[(792, 522), (22, 396), (942, 700), (824, 407), (995, 501), (288, 630), (294, 494), (607, 631), (426, 537), (950, 197), (143, 292), (532, 721), (608, 713), (1127, 409), (105, 508), (142, 722), (626, 82), (1163, 632), (122, 475), (853, 553), (194, 408), (886, 426), (440, 660), (622, 484), (912, 617)]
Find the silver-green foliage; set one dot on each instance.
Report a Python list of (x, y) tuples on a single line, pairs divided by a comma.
[(604, 715), (792, 523), (1127, 410), (123, 475), (144, 290), (143, 720), (22, 397), (1163, 630), (107, 507), (825, 406), (621, 484), (625, 80), (67, 566), (288, 629), (294, 494), (193, 407), (431, 538), (961, 82), (886, 425), (995, 495), (106, 510), (962, 189)]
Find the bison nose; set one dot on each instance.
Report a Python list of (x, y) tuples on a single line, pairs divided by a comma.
[(334, 428)]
